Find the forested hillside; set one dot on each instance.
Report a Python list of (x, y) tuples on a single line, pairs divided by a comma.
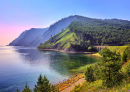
[(86, 32)]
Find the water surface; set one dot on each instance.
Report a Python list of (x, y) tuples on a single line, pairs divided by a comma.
[(19, 65)]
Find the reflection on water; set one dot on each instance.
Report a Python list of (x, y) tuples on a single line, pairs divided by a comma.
[(19, 65)]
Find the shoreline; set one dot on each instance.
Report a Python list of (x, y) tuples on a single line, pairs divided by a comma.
[(76, 78), (75, 52), (64, 85)]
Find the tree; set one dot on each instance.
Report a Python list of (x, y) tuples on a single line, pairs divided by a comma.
[(17, 90), (128, 69), (43, 85), (124, 57), (26, 89), (110, 68), (92, 49), (128, 52), (89, 74)]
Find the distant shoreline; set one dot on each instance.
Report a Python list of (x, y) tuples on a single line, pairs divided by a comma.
[(76, 52)]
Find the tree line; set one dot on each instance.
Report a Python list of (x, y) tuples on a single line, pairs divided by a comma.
[(109, 69), (101, 32)]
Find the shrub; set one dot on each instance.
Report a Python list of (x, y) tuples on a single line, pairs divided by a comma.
[(89, 74)]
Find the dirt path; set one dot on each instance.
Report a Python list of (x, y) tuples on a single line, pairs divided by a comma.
[(68, 89)]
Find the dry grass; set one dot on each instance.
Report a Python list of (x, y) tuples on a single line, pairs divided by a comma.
[(69, 82)]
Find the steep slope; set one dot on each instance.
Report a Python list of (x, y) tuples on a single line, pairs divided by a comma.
[(85, 32), (88, 30), (27, 37), (55, 29), (61, 41)]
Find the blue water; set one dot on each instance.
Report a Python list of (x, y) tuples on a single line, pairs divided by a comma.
[(19, 65)]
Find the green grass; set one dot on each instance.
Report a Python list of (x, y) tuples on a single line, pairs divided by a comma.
[(60, 41), (96, 86), (119, 49), (82, 68), (89, 87)]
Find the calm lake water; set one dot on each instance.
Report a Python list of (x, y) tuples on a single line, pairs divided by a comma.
[(19, 65)]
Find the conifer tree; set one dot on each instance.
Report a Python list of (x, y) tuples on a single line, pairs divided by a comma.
[(124, 57), (43, 85), (89, 74), (110, 66), (26, 89), (17, 90)]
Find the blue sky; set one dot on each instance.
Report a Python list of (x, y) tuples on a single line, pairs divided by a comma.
[(19, 15)]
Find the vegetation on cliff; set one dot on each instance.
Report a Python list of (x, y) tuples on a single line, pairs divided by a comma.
[(84, 33)]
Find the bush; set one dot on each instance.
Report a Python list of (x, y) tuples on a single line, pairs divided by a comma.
[(124, 57), (77, 88), (89, 74), (128, 52), (128, 69), (92, 49)]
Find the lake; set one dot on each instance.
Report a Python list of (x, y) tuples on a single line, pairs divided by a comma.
[(19, 65)]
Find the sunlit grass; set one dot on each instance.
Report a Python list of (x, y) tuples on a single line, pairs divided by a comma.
[(118, 49), (62, 40), (82, 68)]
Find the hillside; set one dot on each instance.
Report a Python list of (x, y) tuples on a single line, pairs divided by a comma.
[(118, 49), (26, 38), (54, 29), (85, 32), (46, 35)]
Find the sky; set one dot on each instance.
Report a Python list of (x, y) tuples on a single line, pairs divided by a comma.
[(17, 16)]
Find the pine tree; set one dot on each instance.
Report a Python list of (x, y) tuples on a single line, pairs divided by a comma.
[(128, 52), (26, 89), (89, 74), (43, 85), (17, 90), (124, 57), (110, 66)]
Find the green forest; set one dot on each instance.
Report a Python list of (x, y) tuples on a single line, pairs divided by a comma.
[(84, 33)]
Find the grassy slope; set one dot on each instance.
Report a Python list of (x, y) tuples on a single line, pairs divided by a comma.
[(119, 49), (60, 41), (97, 85)]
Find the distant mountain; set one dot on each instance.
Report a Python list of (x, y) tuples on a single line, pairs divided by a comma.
[(26, 38), (55, 28), (100, 31), (86, 32)]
